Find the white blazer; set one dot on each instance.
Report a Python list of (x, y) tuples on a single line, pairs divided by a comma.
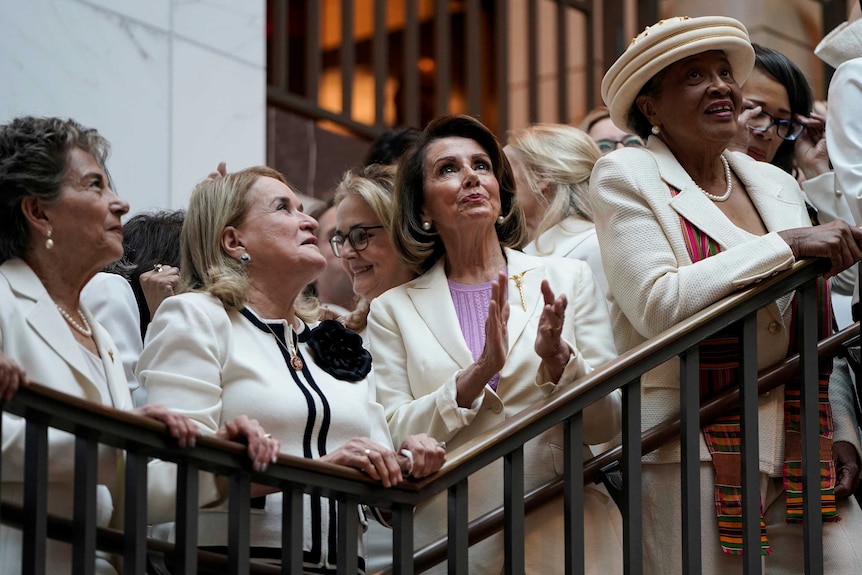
[(654, 285), (34, 334), (419, 350)]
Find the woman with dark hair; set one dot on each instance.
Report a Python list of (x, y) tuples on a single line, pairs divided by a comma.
[(485, 332), (781, 128), (152, 246), (59, 225)]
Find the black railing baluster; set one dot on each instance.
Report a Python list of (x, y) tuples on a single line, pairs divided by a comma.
[(35, 496), (689, 400), (188, 488), (573, 473), (402, 539), (291, 529), (239, 508), (135, 509), (812, 518), (749, 446), (633, 490), (513, 502), (348, 531), (458, 517), (86, 480)]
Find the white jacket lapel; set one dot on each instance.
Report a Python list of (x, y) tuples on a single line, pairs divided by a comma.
[(432, 301), (523, 273)]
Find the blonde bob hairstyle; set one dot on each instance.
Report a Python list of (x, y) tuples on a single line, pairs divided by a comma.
[(215, 204), (374, 184), (421, 249), (557, 161)]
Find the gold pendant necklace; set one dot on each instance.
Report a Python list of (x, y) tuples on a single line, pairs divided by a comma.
[(295, 361)]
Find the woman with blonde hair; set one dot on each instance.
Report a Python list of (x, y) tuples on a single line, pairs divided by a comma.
[(245, 340), (363, 201), (552, 164)]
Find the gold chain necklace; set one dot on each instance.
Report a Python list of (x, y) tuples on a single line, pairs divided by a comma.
[(295, 360)]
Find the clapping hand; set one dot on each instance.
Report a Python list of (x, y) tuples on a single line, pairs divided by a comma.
[(549, 342)]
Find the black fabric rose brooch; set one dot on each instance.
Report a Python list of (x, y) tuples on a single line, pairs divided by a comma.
[(339, 352)]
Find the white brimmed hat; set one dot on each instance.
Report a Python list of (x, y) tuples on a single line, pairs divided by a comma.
[(666, 42)]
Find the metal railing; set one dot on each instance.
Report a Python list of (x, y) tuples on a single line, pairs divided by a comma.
[(142, 439)]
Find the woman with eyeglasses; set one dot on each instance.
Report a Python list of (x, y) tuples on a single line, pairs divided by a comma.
[(781, 128), (552, 164), (607, 136), (363, 218)]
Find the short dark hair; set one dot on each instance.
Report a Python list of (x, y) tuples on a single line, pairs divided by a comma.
[(34, 155), (782, 69), (150, 239), (388, 148), (419, 248)]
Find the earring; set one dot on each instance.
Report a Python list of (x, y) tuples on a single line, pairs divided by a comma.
[(500, 220), (49, 243), (245, 258), (426, 225), (656, 130)]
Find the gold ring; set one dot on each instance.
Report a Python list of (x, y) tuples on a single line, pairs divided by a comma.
[(367, 452)]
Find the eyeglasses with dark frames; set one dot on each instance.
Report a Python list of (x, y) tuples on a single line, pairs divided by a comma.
[(785, 129), (357, 236), (607, 145)]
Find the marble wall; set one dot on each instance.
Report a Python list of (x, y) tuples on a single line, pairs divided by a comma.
[(174, 85)]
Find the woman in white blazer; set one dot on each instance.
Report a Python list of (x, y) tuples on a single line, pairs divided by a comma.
[(683, 223), (485, 332), (552, 164), (244, 340), (59, 225)]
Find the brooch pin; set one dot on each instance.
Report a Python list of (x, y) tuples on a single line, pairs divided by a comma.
[(518, 279)]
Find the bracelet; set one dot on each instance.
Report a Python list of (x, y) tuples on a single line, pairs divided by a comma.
[(409, 455)]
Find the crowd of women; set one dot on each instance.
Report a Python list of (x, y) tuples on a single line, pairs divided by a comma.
[(488, 278)]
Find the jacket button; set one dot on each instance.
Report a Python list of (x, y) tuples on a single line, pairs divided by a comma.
[(774, 327), (497, 408)]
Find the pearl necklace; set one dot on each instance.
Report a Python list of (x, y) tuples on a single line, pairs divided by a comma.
[(295, 361), (723, 197), (84, 330)]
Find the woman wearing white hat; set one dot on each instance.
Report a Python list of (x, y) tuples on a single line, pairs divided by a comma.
[(682, 223)]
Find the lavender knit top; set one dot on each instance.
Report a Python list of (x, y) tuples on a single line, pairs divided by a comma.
[(471, 307)]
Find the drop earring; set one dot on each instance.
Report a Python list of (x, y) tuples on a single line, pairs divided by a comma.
[(426, 225), (245, 258), (656, 130), (49, 243)]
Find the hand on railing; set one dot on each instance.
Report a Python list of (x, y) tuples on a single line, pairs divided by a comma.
[(846, 469), (262, 449), (181, 427), (12, 376), (378, 462), (837, 241), (427, 455)]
